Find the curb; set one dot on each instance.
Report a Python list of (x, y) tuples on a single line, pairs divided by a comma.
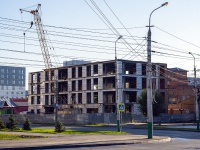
[(94, 144)]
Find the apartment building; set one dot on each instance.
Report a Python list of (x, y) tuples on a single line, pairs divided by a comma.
[(12, 82), (91, 87)]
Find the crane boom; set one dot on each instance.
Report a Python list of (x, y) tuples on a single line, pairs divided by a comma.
[(45, 53), (41, 36)]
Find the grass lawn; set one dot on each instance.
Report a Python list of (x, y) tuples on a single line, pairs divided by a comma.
[(16, 137), (68, 131), (95, 125)]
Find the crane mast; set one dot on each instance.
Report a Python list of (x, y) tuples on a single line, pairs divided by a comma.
[(45, 52), (41, 36)]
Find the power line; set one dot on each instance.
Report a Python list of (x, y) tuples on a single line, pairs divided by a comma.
[(82, 29), (73, 29), (177, 37), (61, 56), (154, 46), (107, 20), (66, 43), (66, 48)]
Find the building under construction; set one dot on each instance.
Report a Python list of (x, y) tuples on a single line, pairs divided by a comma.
[(92, 87)]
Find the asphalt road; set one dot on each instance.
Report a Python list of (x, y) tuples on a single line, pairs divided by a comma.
[(176, 144), (180, 139), (132, 130)]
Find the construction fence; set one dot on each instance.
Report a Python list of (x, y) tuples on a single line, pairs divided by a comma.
[(96, 118)]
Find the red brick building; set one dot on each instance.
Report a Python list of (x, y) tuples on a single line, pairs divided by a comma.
[(21, 105), (180, 94)]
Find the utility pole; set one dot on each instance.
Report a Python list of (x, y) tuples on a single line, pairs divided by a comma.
[(149, 79), (116, 85), (56, 103), (195, 91)]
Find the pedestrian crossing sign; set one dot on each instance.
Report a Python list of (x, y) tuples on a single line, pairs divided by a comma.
[(121, 107)]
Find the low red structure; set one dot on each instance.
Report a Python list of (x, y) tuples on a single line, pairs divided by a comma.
[(21, 105)]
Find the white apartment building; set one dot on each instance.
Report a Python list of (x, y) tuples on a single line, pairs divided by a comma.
[(91, 87)]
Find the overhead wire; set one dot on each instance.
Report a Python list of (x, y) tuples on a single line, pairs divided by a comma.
[(119, 48), (75, 30), (66, 43), (78, 29), (71, 49), (123, 26), (107, 20), (162, 48), (112, 27), (177, 37), (61, 56), (163, 53)]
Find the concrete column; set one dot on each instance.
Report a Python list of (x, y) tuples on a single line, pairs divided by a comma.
[(138, 69), (84, 71), (92, 84), (100, 97), (100, 69), (76, 98), (84, 100), (92, 97), (100, 109), (69, 85), (139, 82), (92, 70), (84, 84), (76, 69), (84, 110), (69, 73), (76, 85), (69, 98)]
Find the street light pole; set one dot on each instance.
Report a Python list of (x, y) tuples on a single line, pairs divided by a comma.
[(116, 85), (149, 79), (56, 103), (195, 91)]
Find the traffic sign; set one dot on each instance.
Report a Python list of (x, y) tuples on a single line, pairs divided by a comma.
[(121, 107)]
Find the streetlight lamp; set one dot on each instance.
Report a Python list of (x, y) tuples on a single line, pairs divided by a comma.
[(149, 80), (116, 85), (195, 91)]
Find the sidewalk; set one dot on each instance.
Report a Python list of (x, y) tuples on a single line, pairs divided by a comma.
[(164, 125), (73, 141)]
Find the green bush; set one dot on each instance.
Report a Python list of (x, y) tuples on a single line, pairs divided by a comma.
[(157, 106), (12, 124), (27, 125), (59, 127), (2, 125)]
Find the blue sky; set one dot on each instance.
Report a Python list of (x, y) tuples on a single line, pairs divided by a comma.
[(81, 40)]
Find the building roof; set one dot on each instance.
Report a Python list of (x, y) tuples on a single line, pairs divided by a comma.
[(177, 69), (7, 103), (106, 61), (20, 101)]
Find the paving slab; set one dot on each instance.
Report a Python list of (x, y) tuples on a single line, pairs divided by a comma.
[(75, 140)]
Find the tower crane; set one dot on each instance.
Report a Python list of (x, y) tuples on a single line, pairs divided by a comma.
[(41, 35), (44, 49)]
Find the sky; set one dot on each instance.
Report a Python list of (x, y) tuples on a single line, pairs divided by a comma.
[(74, 31)]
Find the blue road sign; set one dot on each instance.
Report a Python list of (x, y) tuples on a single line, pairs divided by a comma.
[(121, 107)]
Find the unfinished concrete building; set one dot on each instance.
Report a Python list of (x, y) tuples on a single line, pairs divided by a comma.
[(91, 87)]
